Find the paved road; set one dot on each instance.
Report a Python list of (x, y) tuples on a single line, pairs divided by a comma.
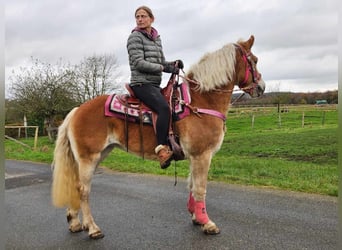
[(149, 212)]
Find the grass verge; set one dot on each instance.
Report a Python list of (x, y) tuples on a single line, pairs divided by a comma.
[(293, 159)]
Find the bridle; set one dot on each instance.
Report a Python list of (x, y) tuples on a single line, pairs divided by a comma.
[(250, 70), (244, 86)]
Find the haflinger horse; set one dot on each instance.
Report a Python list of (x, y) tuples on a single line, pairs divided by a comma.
[(86, 135)]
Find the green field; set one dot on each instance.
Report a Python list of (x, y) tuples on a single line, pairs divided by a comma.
[(260, 148)]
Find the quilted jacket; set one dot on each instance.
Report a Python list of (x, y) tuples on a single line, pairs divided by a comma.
[(146, 57)]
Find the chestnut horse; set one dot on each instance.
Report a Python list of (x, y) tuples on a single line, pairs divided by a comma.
[(86, 136)]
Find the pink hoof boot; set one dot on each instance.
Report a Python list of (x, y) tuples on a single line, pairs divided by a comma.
[(201, 213), (191, 204)]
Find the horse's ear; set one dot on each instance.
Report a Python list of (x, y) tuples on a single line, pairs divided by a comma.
[(247, 45), (250, 42)]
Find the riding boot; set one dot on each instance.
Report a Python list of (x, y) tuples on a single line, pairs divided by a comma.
[(164, 154)]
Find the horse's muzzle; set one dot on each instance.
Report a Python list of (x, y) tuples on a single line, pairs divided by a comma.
[(259, 89)]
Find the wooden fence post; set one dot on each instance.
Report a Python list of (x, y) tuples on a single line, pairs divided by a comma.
[(323, 118), (253, 121), (35, 139)]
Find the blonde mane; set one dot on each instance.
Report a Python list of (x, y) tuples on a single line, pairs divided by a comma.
[(214, 69)]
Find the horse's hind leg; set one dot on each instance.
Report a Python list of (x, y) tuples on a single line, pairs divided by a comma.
[(73, 220), (86, 171)]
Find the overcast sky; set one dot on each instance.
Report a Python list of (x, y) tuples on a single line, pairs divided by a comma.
[(295, 41)]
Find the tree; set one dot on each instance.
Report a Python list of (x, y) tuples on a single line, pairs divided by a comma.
[(43, 91), (95, 75)]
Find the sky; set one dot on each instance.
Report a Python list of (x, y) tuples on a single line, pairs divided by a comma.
[(296, 41)]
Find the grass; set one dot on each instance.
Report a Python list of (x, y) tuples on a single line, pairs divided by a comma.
[(285, 157), (301, 160)]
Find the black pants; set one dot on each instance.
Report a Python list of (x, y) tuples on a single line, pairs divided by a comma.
[(152, 97)]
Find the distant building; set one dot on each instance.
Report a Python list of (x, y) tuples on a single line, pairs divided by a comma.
[(321, 102)]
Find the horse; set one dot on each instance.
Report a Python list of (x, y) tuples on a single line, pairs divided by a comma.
[(86, 135)]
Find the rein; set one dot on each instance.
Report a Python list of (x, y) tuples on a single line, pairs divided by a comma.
[(211, 112), (199, 111)]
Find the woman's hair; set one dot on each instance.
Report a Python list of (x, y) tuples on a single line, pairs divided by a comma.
[(145, 8)]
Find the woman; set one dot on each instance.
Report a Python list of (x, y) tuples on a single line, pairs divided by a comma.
[(147, 62)]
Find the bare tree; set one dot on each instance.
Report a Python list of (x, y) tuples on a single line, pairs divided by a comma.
[(42, 91), (96, 75), (45, 92)]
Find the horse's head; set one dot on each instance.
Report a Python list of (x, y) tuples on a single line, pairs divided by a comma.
[(249, 78)]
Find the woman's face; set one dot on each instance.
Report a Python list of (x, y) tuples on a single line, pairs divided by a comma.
[(143, 20)]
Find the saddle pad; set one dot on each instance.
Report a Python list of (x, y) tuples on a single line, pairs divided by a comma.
[(115, 108)]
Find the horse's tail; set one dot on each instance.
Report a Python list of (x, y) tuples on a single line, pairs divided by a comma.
[(65, 184)]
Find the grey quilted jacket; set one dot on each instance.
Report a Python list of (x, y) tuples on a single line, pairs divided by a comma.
[(146, 58)]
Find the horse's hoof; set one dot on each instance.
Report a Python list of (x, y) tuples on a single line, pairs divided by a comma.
[(76, 229), (97, 235), (212, 232), (210, 228)]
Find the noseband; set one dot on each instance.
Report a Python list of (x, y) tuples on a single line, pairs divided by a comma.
[(250, 70)]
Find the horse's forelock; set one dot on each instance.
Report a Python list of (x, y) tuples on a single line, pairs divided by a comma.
[(214, 69)]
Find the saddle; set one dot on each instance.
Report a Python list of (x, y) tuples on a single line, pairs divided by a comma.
[(130, 99), (134, 110)]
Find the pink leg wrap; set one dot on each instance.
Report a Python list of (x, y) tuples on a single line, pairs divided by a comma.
[(201, 213), (191, 203)]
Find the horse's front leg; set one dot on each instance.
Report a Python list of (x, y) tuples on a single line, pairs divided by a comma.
[(86, 172), (199, 167)]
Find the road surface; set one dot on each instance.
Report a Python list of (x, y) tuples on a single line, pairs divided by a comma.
[(149, 212)]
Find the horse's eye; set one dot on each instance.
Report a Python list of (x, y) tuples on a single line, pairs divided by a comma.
[(255, 60)]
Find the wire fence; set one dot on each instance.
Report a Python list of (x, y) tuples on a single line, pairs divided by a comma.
[(286, 117)]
